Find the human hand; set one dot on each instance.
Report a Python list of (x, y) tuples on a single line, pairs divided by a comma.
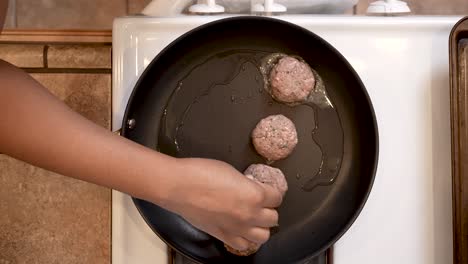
[(218, 199)]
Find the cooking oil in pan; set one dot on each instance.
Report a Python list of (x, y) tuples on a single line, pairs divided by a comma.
[(324, 112), (328, 135), (331, 152), (177, 122), (318, 96)]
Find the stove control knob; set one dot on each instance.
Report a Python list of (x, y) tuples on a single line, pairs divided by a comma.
[(388, 7), (206, 7), (267, 6)]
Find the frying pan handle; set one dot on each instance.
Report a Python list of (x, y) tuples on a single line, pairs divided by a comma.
[(322, 258)]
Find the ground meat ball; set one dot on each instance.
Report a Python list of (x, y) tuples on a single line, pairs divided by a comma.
[(291, 80), (275, 137), (267, 175)]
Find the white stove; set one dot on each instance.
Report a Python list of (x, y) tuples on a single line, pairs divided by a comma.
[(403, 62)]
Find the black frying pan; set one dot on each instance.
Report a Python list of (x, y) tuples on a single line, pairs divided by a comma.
[(204, 92)]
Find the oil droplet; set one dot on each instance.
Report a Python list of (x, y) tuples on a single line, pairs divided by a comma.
[(179, 86), (298, 176), (319, 96), (176, 143), (233, 99)]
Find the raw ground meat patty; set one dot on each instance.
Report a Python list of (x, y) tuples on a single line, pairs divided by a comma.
[(275, 137), (268, 175), (291, 80)]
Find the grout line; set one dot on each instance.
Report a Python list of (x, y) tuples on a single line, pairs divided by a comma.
[(45, 56), (68, 70), (61, 43), (58, 43)]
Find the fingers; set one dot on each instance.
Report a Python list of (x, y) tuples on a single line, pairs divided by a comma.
[(250, 238), (272, 197), (266, 218), (257, 235), (237, 242)]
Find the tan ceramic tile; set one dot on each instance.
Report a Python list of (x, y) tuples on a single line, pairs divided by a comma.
[(69, 14), (136, 6), (48, 218), (27, 56), (88, 94), (79, 56), (427, 7)]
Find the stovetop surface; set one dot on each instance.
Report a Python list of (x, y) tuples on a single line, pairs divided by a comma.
[(403, 62)]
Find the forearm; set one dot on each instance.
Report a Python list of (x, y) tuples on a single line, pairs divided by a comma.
[(37, 128)]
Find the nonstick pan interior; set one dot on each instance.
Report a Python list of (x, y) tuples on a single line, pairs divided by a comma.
[(203, 95)]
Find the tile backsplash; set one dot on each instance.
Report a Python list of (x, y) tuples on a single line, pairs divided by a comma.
[(21, 55), (79, 56), (46, 217), (68, 14), (98, 14)]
